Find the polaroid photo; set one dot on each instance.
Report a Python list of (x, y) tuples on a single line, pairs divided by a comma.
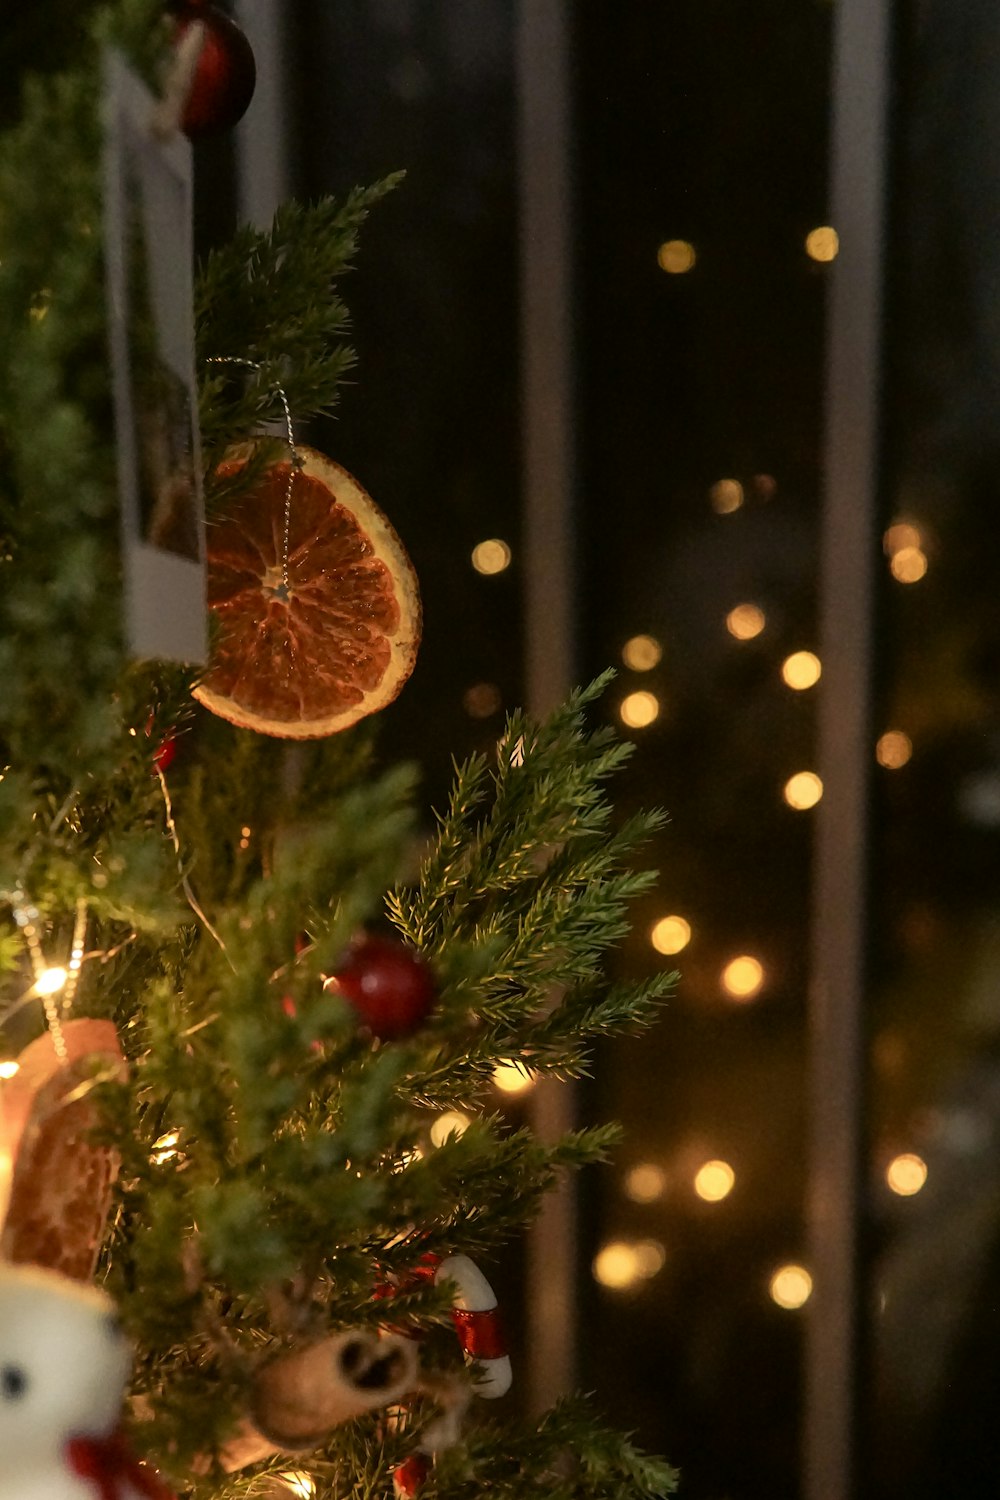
[(148, 258)]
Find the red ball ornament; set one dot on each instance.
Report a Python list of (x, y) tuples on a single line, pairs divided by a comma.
[(390, 986), (226, 72)]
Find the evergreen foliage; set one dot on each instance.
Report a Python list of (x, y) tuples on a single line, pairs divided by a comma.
[(275, 1161)]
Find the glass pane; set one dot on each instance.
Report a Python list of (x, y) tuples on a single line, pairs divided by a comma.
[(705, 255), (935, 1179)]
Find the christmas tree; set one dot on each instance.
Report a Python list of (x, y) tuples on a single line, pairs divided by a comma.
[(238, 987)]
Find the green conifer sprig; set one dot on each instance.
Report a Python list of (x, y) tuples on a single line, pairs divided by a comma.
[(267, 297)]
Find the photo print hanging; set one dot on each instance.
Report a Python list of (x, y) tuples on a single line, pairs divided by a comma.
[(148, 254)]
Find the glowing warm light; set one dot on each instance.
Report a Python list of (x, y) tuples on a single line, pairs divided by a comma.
[(451, 1123), (491, 556), (481, 700), (511, 1078), (298, 1483), (642, 653), (899, 535), (894, 749), (726, 495), (908, 565), (676, 257), (670, 934), (639, 709), (650, 1257), (743, 977), (617, 1265), (51, 981), (645, 1183), (165, 1147), (745, 621), (714, 1181), (801, 670), (822, 243), (906, 1174), (803, 790), (620, 1264), (791, 1286), (9, 1069)]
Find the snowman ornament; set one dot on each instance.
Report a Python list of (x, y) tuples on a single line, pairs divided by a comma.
[(63, 1366)]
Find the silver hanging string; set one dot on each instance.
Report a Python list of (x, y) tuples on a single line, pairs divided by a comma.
[(284, 591)]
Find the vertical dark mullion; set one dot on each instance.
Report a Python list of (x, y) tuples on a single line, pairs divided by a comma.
[(846, 754), (544, 192)]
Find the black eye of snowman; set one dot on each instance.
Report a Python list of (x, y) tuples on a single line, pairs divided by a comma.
[(13, 1382)]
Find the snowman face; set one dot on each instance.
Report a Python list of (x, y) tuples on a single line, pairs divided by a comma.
[(63, 1365)]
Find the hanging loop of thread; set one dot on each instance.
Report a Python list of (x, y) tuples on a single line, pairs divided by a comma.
[(296, 463)]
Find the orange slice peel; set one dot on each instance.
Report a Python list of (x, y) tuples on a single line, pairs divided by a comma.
[(341, 640)]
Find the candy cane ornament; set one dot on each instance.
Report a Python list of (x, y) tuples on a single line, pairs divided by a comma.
[(477, 1323), (476, 1318)]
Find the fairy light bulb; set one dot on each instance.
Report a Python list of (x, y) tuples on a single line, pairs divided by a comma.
[(51, 981), (298, 1483), (9, 1068)]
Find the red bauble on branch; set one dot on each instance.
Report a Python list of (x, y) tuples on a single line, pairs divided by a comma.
[(226, 73), (389, 985)]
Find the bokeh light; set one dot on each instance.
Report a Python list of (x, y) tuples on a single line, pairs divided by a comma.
[(676, 256), (639, 709), (621, 1264), (10, 1068), (906, 1174), (670, 934), (645, 1183), (745, 621), (641, 653), (908, 565), (803, 790), (743, 977), (899, 535), (617, 1265), (714, 1181), (491, 556), (822, 243), (650, 1257), (512, 1078), (726, 495), (801, 670), (452, 1122), (791, 1286), (481, 700), (893, 749)]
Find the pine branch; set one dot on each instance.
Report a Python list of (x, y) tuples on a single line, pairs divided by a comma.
[(267, 297)]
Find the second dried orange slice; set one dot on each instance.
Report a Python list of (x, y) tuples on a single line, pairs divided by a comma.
[(340, 640)]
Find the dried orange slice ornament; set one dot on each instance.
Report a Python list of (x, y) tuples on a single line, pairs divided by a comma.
[(316, 603)]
